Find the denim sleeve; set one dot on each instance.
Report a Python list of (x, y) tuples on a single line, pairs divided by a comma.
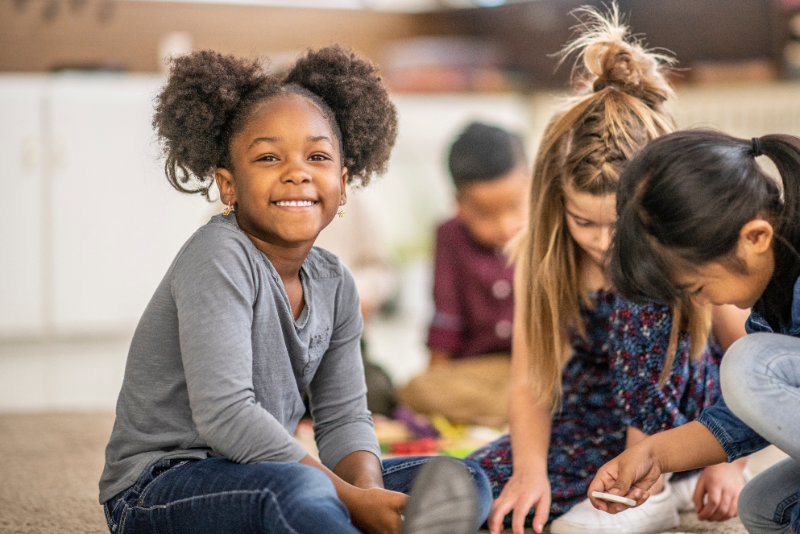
[(737, 439), (796, 515), (338, 391), (638, 345)]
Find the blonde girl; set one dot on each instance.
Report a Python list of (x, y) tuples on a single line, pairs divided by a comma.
[(591, 371)]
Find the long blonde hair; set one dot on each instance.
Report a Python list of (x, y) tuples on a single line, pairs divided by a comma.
[(622, 101)]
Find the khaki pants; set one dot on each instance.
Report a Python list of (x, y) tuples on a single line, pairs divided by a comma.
[(473, 390)]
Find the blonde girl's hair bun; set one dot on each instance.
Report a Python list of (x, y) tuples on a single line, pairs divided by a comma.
[(608, 57)]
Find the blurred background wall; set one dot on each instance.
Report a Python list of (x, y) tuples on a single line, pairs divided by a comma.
[(91, 225)]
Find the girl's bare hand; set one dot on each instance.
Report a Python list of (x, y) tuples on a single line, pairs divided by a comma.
[(520, 494), (375, 510), (630, 474), (718, 491)]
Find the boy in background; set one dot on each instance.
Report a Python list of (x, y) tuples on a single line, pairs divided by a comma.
[(470, 336)]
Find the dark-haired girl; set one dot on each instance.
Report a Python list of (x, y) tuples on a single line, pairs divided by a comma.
[(250, 315), (698, 217)]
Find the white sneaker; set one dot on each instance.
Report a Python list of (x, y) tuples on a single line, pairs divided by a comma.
[(683, 492), (657, 513)]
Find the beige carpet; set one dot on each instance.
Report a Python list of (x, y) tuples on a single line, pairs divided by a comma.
[(49, 468), (50, 464)]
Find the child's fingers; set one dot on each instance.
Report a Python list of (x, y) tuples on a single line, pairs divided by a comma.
[(733, 507), (521, 509), (604, 480), (542, 512), (712, 501), (518, 521), (500, 509), (699, 494), (726, 508)]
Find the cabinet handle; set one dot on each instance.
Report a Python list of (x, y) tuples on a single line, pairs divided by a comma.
[(59, 159), (30, 156)]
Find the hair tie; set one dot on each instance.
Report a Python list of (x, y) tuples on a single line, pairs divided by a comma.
[(756, 147)]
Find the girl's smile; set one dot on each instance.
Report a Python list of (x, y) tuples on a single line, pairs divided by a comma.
[(717, 283), (295, 203)]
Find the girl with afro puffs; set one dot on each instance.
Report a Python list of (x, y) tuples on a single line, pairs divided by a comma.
[(250, 315)]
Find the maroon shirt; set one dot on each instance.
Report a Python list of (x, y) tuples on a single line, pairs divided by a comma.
[(473, 295)]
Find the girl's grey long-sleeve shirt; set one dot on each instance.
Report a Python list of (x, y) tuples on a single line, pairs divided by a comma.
[(218, 364)]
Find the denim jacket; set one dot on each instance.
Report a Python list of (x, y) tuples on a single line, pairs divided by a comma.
[(737, 438)]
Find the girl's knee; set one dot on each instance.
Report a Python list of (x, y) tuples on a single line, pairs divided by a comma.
[(742, 356), (306, 479), (307, 491), (749, 503), (735, 371), (744, 364), (753, 364), (760, 508)]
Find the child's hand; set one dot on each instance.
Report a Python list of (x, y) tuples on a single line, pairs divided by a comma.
[(520, 494), (630, 475), (718, 491), (376, 511)]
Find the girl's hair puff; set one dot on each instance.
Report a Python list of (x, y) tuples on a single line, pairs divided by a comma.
[(683, 201), (622, 101), (209, 97), (355, 93)]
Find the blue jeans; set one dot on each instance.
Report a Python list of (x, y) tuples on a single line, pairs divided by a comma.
[(216, 495), (760, 376)]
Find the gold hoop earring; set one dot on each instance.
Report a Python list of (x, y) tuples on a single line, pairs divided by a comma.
[(228, 209), (340, 213)]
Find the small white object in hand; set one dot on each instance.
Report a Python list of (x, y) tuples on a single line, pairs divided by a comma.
[(613, 498)]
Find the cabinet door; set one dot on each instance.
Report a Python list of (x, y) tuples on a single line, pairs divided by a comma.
[(21, 240), (117, 223)]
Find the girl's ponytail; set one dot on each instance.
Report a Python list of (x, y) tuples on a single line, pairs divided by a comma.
[(784, 151)]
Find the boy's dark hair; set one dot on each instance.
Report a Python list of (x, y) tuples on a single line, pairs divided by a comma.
[(682, 202), (208, 99), (482, 153)]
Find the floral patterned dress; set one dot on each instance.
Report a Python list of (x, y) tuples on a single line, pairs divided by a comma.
[(609, 383)]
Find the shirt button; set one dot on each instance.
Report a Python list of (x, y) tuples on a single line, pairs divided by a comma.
[(503, 329), (501, 289)]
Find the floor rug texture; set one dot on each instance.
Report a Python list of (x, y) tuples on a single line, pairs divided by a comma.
[(50, 464)]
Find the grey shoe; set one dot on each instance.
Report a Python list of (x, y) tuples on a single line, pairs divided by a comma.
[(442, 500)]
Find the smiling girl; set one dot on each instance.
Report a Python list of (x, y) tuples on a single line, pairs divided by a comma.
[(699, 218), (250, 315)]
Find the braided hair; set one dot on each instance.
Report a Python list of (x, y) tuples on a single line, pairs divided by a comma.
[(209, 97), (621, 101)]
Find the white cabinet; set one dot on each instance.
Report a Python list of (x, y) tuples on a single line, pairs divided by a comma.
[(21, 245), (97, 224)]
